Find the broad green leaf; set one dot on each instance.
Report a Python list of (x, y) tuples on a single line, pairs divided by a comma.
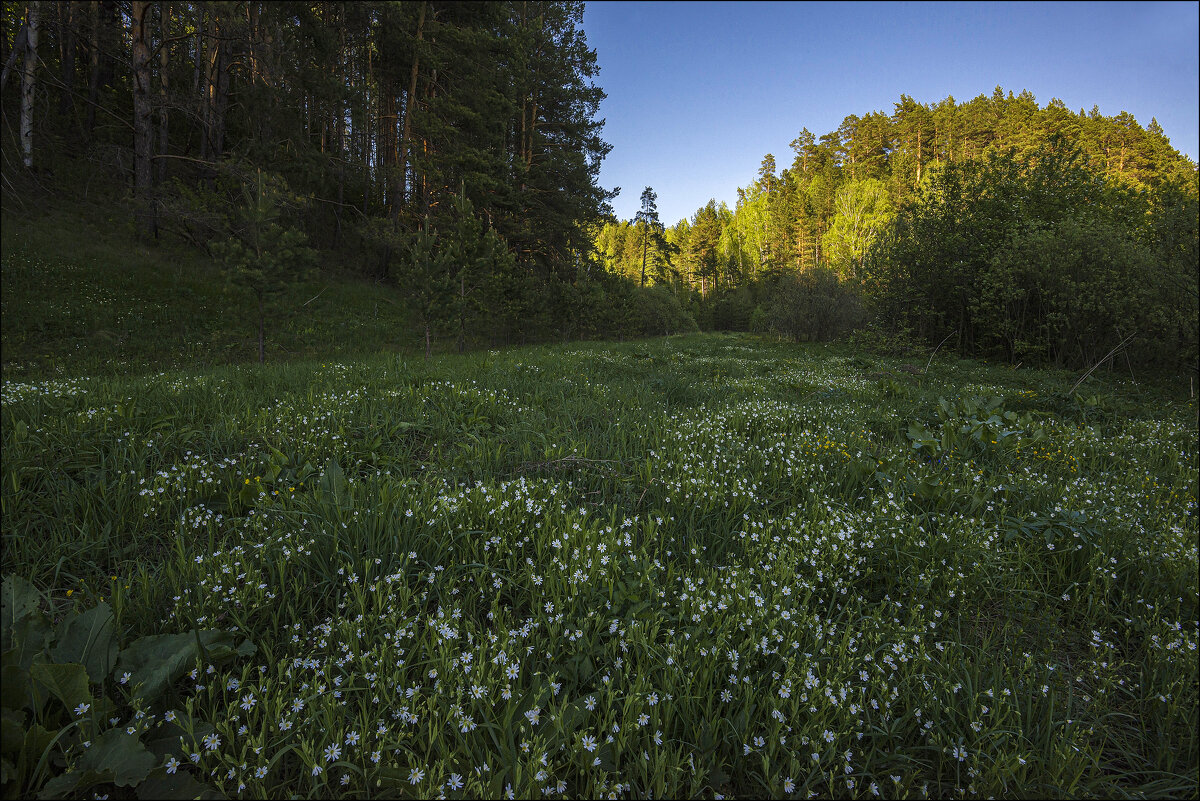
[(605, 755), (89, 639), (121, 754), (12, 731), (14, 686), (158, 660), (178, 785), (334, 480), (68, 683), (29, 636), (248, 494), (18, 600), (37, 740), (76, 780), (222, 651), (164, 740)]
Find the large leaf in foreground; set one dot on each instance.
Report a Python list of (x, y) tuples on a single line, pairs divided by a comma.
[(67, 683), (90, 640), (114, 757), (156, 661), (178, 785), (18, 600)]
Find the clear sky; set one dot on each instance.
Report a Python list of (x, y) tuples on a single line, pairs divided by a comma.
[(698, 93)]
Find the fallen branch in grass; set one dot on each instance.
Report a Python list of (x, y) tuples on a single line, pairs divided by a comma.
[(565, 463), (939, 347), (314, 297), (1107, 356)]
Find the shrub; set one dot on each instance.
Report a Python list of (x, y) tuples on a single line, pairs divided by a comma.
[(657, 311), (814, 306)]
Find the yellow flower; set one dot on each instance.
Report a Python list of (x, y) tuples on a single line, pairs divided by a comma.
[(70, 593)]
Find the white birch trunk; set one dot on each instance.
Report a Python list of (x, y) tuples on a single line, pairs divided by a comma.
[(28, 83)]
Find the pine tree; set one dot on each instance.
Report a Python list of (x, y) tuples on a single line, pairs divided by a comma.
[(262, 254), (651, 232)]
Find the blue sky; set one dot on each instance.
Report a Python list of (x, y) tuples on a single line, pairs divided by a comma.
[(698, 93)]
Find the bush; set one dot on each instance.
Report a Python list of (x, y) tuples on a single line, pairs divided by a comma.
[(758, 320), (657, 311), (1041, 260), (732, 311), (875, 339), (814, 306)]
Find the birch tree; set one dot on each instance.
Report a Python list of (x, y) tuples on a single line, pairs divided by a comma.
[(29, 81)]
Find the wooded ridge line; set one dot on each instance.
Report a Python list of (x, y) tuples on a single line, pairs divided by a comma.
[(453, 150)]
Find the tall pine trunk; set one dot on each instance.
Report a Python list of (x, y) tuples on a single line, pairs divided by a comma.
[(918, 157), (66, 37), (201, 79), (164, 22), (143, 132), (104, 43), (93, 68), (645, 243), (224, 53), (216, 87)]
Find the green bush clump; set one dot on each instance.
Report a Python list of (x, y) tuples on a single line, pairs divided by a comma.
[(815, 306)]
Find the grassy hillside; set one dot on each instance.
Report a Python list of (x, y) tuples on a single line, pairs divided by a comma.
[(79, 296), (695, 566)]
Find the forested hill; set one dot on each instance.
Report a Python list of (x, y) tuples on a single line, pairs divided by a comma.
[(1003, 228), (381, 132), (842, 186)]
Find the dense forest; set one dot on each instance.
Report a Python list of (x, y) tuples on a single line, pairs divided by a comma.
[(1021, 232), (453, 150), (445, 146)]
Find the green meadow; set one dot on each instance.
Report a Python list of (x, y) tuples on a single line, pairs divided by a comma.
[(703, 566)]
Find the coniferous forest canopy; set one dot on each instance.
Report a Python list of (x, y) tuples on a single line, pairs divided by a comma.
[(453, 149), (373, 129)]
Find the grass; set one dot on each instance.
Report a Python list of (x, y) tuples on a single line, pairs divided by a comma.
[(695, 566), (78, 294)]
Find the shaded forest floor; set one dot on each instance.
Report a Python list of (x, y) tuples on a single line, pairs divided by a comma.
[(79, 295)]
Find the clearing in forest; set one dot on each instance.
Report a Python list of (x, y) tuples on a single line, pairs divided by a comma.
[(688, 567)]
